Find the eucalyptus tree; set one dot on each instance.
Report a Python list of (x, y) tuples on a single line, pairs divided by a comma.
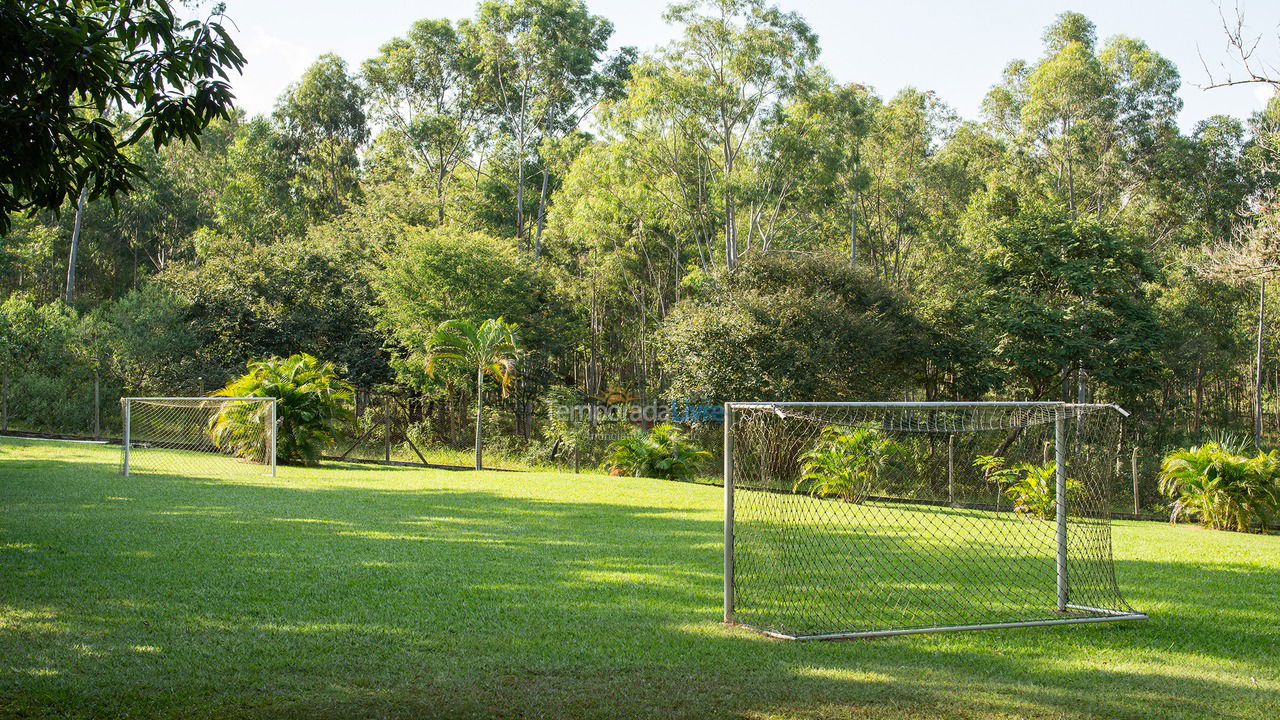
[(539, 71), (733, 63), (423, 88), (322, 116), (806, 171), (898, 203), (1067, 99)]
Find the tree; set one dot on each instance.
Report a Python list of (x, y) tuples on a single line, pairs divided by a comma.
[(255, 201), (537, 64), (1064, 94), (733, 62), (67, 64), (152, 341), (790, 327), (1036, 273), (1252, 256), (19, 340), (490, 348), (323, 117), (91, 345), (422, 87)]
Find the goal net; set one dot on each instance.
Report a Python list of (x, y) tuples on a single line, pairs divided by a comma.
[(865, 519), (199, 436)]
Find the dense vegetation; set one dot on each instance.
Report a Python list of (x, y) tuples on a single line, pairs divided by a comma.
[(714, 219)]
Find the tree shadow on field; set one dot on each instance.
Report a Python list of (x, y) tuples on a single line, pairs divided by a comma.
[(165, 596)]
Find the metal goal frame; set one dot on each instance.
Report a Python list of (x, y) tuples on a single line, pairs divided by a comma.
[(126, 440), (1064, 603)]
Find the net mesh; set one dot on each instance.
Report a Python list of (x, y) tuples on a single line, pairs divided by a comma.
[(198, 436), (856, 519)]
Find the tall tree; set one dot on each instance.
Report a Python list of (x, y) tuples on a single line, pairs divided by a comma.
[(422, 88), (734, 61), (323, 115), (538, 64), (1066, 98)]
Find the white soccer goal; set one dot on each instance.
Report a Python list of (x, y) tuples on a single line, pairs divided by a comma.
[(199, 436), (847, 520)]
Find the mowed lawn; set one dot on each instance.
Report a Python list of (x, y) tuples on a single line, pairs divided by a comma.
[(363, 591)]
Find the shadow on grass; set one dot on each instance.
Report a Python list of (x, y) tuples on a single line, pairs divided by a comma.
[(165, 596)]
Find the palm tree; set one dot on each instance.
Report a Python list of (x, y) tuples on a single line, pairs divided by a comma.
[(847, 462), (490, 348)]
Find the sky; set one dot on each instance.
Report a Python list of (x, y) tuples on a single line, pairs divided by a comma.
[(956, 49)]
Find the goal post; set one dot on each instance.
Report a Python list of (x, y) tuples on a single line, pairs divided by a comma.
[(193, 436), (863, 519)]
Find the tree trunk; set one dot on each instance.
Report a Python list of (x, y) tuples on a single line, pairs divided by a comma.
[(1199, 398), (853, 231), (479, 415), (440, 181), (5, 401), (75, 246), (1257, 378), (542, 215), (522, 144), (1071, 178)]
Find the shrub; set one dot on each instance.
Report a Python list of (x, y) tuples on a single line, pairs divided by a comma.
[(663, 452), (311, 401), (1035, 488), (846, 462), (1220, 488)]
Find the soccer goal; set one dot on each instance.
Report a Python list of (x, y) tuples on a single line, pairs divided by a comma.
[(847, 520), (194, 436)]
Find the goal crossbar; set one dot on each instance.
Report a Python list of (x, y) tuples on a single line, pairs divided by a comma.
[(1099, 570)]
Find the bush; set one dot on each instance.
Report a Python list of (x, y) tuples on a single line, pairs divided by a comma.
[(664, 452), (1220, 488), (1035, 488), (801, 328), (311, 401), (846, 462)]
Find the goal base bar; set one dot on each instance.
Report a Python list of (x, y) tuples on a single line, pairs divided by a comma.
[(1111, 616)]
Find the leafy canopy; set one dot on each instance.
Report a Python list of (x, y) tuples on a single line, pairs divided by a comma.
[(72, 68)]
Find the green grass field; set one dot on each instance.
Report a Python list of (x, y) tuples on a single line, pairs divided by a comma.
[(365, 591)]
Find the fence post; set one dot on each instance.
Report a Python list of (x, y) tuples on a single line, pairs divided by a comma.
[(386, 423), (951, 469), (728, 513), (1060, 501), (1137, 507)]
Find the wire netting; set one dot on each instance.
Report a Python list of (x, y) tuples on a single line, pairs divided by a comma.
[(856, 519), (197, 437)]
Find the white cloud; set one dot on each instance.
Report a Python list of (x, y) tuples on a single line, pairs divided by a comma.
[(1262, 93), (273, 63)]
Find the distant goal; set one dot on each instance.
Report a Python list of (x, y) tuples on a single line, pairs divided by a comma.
[(198, 436), (846, 520)]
